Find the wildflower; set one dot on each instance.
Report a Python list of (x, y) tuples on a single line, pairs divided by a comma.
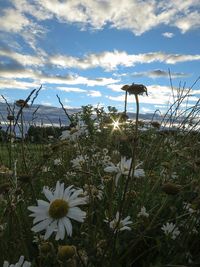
[(55, 215), (188, 207), (119, 225), (143, 213), (123, 168), (20, 263), (74, 133), (170, 230), (79, 161), (57, 162)]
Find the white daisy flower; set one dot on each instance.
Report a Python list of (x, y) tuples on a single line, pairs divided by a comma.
[(20, 263), (79, 161), (123, 168), (170, 230), (55, 215), (121, 225)]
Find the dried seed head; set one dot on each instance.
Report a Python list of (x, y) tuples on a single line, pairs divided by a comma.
[(21, 103), (135, 89), (155, 124), (170, 188), (10, 117)]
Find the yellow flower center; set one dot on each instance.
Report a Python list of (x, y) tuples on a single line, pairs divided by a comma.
[(58, 209)]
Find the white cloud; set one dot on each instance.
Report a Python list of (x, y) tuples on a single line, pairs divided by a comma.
[(136, 16), (111, 60), (13, 21), (94, 93), (168, 34), (14, 84), (71, 89), (23, 59)]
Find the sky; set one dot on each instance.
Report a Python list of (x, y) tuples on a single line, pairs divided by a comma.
[(84, 51)]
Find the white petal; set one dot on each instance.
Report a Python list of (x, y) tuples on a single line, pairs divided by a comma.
[(43, 203), (37, 209), (78, 201), (68, 226), (77, 214), (61, 191), (61, 229), (42, 225), (48, 194), (67, 192), (40, 218), (125, 228), (21, 260), (57, 190), (76, 193), (111, 169), (50, 229), (6, 264)]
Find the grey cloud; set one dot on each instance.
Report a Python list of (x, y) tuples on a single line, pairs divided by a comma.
[(159, 73)]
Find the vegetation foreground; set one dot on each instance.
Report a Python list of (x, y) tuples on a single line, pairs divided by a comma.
[(107, 192)]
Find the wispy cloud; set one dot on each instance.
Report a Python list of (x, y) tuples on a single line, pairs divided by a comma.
[(168, 34), (159, 73)]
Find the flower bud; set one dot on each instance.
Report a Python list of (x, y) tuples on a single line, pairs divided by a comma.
[(170, 188), (66, 252)]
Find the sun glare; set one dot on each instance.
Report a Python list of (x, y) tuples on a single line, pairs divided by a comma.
[(115, 125)]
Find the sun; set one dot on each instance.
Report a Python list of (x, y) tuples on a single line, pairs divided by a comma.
[(116, 125)]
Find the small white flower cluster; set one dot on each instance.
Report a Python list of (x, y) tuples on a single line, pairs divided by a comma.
[(20, 263), (143, 213), (74, 133), (170, 230)]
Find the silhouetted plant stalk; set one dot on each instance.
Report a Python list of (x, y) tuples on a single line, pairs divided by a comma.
[(134, 89)]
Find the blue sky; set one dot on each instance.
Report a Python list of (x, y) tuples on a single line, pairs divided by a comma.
[(86, 50)]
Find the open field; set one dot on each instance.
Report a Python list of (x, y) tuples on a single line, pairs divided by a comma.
[(107, 192)]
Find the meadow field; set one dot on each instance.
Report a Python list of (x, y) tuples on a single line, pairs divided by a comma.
[(108, 191)]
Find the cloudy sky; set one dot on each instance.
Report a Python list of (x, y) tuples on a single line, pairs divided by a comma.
[(86, 50)]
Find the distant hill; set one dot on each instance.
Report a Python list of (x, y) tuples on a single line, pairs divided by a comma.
[(41, 115)]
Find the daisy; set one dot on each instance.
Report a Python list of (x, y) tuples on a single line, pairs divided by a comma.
[(121, 225), (122, 167), (20, 263), (55, 215), (170, 230)]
